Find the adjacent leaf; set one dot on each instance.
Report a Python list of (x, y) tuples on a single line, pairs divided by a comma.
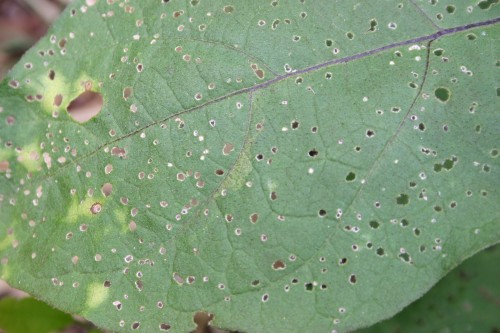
[(288, 166), (28, 315), (466, 300)]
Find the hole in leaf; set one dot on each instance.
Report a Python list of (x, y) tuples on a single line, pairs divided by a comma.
[(4, 166), (165, 327), (228, 9), (403, 199), (405, 257), (373, 25), (96, 208), (448, 163), (309, 286), (350, 176), (254, 218), (438, 52), (117, 151), (279, 265), (487, 4), (202, 321), (178, 278), (442, 94), (107, 189), (127, 92), (85, 106), (374, 224), (313, 153), (471, 37), (58, 100)]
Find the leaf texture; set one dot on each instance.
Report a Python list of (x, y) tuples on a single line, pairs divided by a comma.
[(288, 166)]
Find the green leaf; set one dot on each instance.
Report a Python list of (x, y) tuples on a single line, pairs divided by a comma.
[(288, 166), (466, 300), (29, 315)]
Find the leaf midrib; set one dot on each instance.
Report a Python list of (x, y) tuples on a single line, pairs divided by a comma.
[(275, 80)]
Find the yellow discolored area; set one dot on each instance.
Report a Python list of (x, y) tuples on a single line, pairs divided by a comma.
[(243, 166), (5, 154), (96, 295), (271, 185), (6, 242), (31, 157), (240, 171), (85, 208), (120, 215), (59, 92), (50, 89)]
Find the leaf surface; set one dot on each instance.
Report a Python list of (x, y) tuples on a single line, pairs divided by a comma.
[(467, 299), (288, 166)]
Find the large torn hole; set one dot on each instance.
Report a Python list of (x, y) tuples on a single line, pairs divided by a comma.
[(86, 106), (202, 321)]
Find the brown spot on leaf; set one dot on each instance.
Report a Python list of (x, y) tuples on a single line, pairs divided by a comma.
[(96, 208), (117, 151), (58, 100), (279, 265), (228, 148), (4, 166)]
